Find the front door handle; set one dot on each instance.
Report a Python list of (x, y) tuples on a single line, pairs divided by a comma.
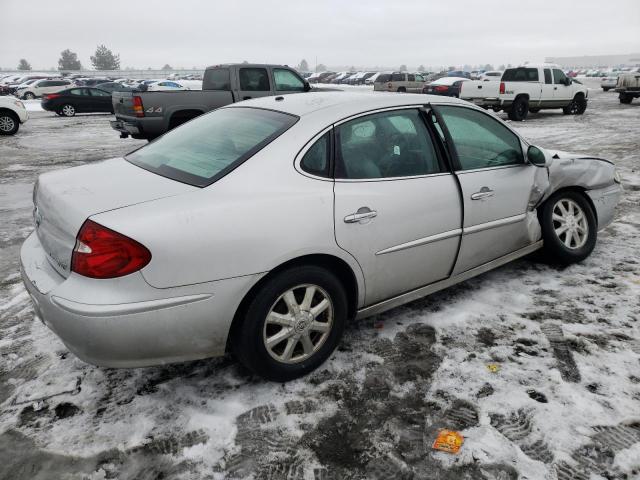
[(363, 213), (484, 192)]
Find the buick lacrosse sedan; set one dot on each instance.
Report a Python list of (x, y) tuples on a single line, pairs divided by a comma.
[(263, 227)]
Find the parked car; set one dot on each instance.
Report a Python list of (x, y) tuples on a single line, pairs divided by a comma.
[(319, 77), (371, 80), (10, 87), (168, 259), (494, 75), (401, 82), (68, 102), (165, 85), (150, 114), (115, 87), (12, 114), (528, 88), (628, 86), (448, 86), (608, 82), (40, 87), (360, 78), (459, 74)]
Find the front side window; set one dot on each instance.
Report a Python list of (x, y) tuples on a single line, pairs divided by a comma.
[(559, 78), (411, 77), (77, 91), (480, 140), (385, 145), (419, 78), (254, 79), (287, 81), (211, 145), (316, 159), (547, 76)]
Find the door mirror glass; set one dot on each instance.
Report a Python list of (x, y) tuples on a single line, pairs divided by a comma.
[(307, 87), (536, 157), (567, 81)]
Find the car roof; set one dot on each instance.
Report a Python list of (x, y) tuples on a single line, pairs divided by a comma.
[(341, 104)]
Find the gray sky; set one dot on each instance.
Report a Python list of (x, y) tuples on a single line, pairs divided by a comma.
[(187, 33)]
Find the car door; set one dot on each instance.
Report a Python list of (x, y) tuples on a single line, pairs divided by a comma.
[(285, 81), (547, 98), (397, 208), (79, 98), (253, 82), (496, 185), (562, 93), (100, 101)]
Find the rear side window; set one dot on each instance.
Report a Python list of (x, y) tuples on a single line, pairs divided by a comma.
[(212, 145), (316, 160), (520, 74), (385, 145), (385, 77), (397, 77), (287, 81), (216, 79), (254, 79), (77, 91)]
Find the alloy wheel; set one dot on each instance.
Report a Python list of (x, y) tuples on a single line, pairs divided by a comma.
[(570, 223), (68, 110), (298, 324), (7, 124)]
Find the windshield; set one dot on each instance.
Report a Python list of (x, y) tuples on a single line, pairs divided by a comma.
[(209, 147)]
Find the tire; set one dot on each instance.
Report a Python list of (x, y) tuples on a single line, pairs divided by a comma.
[(626, 99), (402, 90), (9, 123), (606, 89), (577, 106), (534, 110), (519, 109), (558, 246), (68, 110), (28, 96), (249, 338)]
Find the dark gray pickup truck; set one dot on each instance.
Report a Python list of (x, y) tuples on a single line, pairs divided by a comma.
[(147, 115)]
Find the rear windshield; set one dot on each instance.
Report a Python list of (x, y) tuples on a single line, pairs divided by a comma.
[(520, 75), (210, 146), (216, 79)]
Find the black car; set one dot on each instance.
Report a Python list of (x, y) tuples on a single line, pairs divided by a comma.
[(114, 87), (444, 87), (92, 82), (78, 100)]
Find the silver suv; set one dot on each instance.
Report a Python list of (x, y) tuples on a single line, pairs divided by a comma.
[(399, 82)]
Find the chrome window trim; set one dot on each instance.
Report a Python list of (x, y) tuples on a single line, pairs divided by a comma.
[(497, 167)]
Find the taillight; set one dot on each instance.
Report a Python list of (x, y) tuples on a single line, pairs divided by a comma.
[(102, 253), (51, 96), (440, 88), (137, 106), (502, 87)]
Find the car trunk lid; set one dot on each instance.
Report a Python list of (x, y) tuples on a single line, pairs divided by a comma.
[(64, 199)]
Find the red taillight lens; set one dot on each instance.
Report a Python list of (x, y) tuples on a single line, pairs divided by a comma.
[(440, 88), (102, 253), (502, 87), (137, 106), (51, 96)]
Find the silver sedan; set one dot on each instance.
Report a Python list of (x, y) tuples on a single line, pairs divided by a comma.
[(263, 227)]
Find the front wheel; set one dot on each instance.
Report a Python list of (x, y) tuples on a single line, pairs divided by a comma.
[(569, 227), (9, 123), (292, 324), (68, 110)]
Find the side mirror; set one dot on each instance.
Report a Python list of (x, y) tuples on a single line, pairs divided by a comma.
[(567, 81), (307, 87), (537, 157)]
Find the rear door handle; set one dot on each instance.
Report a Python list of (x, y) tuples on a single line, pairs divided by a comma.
[(363, 213), (484, 192)]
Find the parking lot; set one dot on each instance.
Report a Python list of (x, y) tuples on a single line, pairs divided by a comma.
[(537, 366)]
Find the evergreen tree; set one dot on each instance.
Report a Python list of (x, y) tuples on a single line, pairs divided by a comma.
[(104, 59), (321, 68), (167, 67), (24, 65), (304, 66), (69, 61)]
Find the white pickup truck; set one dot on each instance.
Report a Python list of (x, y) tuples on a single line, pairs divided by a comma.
[(528, 88)]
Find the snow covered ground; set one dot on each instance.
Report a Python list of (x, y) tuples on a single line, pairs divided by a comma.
[(537, 366)]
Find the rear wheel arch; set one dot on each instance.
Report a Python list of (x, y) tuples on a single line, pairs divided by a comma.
[(331, 263)]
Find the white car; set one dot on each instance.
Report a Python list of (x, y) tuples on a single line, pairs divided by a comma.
[(165, 85), (41, 87), (494, 75), (609, 82), (12, 114)]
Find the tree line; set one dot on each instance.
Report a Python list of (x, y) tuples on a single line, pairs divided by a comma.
[(103, 59)]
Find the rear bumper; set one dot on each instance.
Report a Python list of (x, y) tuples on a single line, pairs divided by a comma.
[(605, 200), (127, 323), (146, 127), (125, 128)]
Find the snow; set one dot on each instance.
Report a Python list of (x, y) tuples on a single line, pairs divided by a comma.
[(33, 105), (569, 336)]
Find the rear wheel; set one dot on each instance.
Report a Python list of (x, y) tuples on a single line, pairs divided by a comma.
[(28, 96), (292, 324), (519, 109), (626, 99), (402, 90), (68, 110), (569, 227), (577, 106), (9, 123), (606, 89)]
